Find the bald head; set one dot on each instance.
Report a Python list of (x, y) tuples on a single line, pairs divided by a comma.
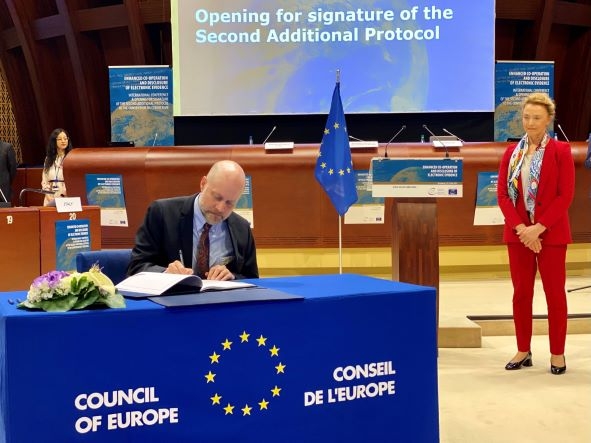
[(220, 190), (228, 171)]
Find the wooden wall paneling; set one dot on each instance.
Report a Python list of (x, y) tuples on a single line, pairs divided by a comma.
[(20, 91), (155, 11), (85, 117), (61, 95), (114, 52), (504, 39), (140, 50), (576, 86), (518, 10), (543, 26), (104, 17), (573, 14), (20, 13)]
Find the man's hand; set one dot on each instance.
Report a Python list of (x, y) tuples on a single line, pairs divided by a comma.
[(176, 267), (219, 272)]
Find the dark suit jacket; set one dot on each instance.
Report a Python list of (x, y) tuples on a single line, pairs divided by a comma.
[(7, 169), (168, 228), (555, 194)]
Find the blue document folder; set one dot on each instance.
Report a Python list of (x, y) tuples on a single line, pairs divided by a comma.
[(216, 297)]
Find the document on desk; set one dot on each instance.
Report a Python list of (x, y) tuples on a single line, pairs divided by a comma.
[(146, 284)]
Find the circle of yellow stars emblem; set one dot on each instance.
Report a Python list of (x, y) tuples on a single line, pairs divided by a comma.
[(218, 399)]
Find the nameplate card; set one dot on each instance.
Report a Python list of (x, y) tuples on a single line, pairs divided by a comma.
[(276, 146), (363, 144), (68, 204), (445, 141)]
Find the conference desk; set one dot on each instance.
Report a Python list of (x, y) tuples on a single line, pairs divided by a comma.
[(353, 361)]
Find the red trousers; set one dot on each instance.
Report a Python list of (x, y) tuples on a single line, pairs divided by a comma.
[(551, 263)]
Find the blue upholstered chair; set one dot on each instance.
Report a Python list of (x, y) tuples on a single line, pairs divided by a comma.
[(113, 262)]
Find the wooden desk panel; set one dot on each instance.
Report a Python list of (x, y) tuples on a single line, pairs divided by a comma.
[(290, 207), (19, 257)]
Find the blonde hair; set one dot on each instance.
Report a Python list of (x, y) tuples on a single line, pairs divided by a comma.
[(541, 99)]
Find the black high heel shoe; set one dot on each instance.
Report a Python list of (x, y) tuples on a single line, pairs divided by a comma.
[(527, 361), (557, 370)]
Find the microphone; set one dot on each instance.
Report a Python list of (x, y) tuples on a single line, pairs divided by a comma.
[(402, 128), (35, 190), (3, 196), (272, 131), (438, 139), (356, 139), (453, 135), (563, 134), (155, 137)]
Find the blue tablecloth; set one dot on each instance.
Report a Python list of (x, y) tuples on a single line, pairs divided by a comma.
[(354, 361)]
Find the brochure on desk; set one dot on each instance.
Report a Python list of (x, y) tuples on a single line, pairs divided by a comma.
[(417, 177), (187, 290)]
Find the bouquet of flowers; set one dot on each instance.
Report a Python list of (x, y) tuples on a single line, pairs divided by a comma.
[(60, 291)]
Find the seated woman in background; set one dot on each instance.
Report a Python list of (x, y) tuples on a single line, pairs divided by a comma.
[(52, 178)]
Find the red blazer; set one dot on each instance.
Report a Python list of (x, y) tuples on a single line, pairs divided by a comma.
[(555, 194)]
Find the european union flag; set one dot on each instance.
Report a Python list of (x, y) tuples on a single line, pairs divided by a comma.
[(334, 167)]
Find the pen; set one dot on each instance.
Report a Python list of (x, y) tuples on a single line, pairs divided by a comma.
[(181, 257)]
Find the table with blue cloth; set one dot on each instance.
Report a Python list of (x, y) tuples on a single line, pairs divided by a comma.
[(354, 360)]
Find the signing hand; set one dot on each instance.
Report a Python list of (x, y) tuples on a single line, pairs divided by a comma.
[(176, 267)]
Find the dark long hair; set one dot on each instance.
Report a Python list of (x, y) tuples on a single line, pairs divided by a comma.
[(52, 147)]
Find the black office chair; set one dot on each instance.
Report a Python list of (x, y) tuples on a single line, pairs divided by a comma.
[(113, 262)]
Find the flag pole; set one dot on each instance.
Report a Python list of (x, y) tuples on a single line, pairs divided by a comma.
[(340, 247), (334, 166), (338, 74)]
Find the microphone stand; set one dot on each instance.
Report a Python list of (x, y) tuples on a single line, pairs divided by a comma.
[(3, 196), (563, 134), (267, 138), (35, 190), (402, 128), (439, 140), (453, 135)]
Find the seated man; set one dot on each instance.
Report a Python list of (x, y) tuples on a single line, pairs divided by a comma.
[(200, 233)]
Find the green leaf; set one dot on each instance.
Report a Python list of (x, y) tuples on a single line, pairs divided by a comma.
[(60, 305), (27, 304), (87, 299), (81, 286), (114, 301)]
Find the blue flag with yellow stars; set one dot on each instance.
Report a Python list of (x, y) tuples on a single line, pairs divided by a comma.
[(334, 167)]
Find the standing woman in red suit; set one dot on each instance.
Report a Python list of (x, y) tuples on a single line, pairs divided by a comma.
[(535, 189)]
